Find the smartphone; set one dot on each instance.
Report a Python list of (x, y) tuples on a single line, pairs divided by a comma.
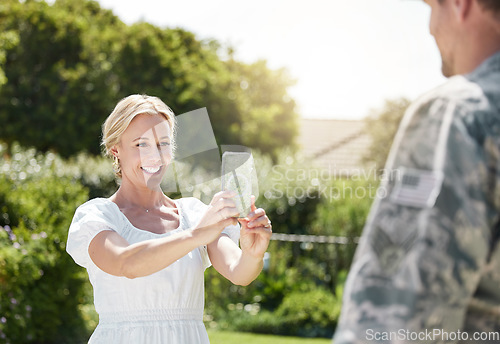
[(236, 175)]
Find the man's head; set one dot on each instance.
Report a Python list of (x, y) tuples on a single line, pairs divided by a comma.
[(466, 32)]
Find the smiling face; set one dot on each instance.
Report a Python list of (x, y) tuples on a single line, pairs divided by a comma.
[(145, 151)]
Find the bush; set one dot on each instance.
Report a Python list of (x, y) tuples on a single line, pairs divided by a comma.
[(309, 314), (20, 164), (41, 288), (264, 322), (344, 217), (299, 291)]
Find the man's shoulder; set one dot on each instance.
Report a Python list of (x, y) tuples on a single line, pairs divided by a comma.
[(477, 91), (466, 97), (457, 89)]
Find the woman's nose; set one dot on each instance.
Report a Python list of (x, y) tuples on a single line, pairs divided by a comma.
[(153, 156)]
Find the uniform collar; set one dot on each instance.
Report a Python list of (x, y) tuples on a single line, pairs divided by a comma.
[(491, 64)]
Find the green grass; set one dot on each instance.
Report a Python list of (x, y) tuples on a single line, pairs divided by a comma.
[(226, 337)]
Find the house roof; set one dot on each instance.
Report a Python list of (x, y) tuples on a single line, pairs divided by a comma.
[(335, 145)]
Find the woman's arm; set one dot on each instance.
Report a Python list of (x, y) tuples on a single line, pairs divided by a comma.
[(114, 255), (242, 266)]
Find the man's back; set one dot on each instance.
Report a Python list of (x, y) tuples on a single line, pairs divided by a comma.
[(483, 313)]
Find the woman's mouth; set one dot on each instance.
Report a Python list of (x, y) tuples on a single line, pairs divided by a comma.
[(151, 169)]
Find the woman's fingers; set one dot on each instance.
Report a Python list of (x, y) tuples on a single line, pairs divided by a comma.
[(262, 221), (230, 221), (223, 205), (257, 217), (227, 212), (222, 195), (261, 231)]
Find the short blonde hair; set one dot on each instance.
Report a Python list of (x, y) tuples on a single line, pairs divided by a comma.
[(124, 112)]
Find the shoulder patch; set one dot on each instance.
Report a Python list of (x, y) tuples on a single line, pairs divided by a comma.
[(417, 188)]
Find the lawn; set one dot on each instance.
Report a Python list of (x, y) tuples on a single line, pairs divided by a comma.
[(225, 337)]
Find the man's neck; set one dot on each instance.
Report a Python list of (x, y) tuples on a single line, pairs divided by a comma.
[(480, 39), (475, 56)]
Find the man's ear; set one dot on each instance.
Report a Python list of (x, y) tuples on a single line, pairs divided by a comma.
[(461, 9)]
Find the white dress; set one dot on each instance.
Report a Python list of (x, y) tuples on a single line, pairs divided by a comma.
[(164, 307)]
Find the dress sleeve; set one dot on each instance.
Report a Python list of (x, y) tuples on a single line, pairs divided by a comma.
[(90, 219)]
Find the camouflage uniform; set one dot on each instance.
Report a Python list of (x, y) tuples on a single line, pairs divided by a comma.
[(429, 257)]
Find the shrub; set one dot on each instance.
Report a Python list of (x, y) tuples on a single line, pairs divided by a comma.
[(265, 322), (307, 275), (41, 288), (20, 164), (298, 293), (309, 314)]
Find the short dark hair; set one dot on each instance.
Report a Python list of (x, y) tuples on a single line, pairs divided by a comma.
[(490, 5)]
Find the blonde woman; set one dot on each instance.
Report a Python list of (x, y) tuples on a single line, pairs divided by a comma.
[(146, 253)]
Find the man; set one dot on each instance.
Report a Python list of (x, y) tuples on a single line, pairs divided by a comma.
[(427, 269)]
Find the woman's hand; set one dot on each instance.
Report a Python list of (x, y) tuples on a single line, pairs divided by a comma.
[(221, 213), (255, 232)]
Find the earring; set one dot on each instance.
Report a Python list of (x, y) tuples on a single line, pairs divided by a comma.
[(116, 165)]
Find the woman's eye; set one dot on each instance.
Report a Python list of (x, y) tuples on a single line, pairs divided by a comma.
[(164, 143), (141, 144)]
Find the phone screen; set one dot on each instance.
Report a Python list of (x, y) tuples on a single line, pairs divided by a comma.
[(237, 170)]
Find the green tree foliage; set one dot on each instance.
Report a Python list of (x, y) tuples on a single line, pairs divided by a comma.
[(8, 40), (59, 79), (262, 113), (382, 126), (64, 66)]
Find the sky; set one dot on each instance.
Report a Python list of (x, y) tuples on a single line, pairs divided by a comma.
[(347, 56)]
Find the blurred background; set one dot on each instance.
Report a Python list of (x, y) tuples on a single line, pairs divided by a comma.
[(315, 89)]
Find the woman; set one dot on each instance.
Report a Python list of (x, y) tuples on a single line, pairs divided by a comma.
[(146, 253)]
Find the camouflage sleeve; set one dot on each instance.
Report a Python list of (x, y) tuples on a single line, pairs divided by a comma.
[(427, 236)]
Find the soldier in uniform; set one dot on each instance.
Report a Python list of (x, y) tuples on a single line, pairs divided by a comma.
[(427, 269)]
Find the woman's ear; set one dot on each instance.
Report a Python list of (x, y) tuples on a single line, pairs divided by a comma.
[(114, 151)]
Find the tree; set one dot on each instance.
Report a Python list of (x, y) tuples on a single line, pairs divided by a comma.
[(65, 66), (247, 104), (58, 74), (267, 112), (382, 126)]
